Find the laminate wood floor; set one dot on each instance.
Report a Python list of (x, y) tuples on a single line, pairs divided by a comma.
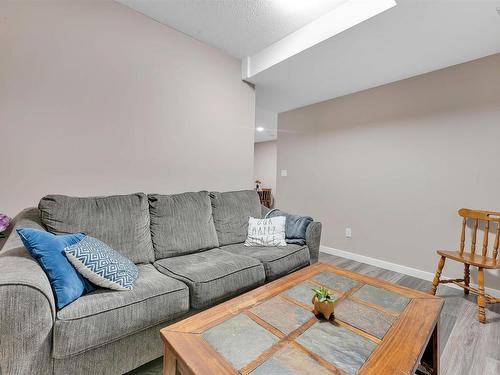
[(467, 347)]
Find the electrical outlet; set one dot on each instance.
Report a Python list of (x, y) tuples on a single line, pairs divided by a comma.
[(284, 173), (348, 232)]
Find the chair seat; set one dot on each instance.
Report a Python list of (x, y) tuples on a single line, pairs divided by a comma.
[(107, 315), (471, 259)]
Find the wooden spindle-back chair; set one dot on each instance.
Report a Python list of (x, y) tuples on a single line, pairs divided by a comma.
[(266, 197), (475, 257)]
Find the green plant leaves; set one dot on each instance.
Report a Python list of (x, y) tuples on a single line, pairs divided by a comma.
[(322, 294)]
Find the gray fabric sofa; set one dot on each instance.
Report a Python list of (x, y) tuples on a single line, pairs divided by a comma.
[(190, 254)]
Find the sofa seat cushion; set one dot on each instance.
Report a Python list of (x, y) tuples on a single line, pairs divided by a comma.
[(213, 275), (107, 315), (181, 224), (277, 261), (231, 211), (121, 221)]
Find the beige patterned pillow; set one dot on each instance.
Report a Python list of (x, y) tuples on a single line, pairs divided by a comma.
[(266, 232)]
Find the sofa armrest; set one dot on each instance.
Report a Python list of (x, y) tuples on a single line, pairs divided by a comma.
[(27, 308), (313, 239), (313, 236)]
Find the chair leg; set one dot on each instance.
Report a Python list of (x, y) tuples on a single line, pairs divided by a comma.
[(435, 282), (481, 299), (466, 278)]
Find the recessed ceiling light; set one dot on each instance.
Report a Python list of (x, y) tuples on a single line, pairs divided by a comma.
[(259, 128)]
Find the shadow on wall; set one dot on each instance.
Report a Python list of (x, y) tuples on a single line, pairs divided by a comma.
[(429, 95)]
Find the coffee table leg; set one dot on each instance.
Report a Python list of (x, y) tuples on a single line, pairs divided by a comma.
[(435, 349), (430, 359), (169, 362)]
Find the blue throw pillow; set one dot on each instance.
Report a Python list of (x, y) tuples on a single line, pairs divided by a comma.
[(102, 265), (48, 249)]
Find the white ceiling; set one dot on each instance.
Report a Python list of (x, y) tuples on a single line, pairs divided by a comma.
[(238, 27), (412, 38)]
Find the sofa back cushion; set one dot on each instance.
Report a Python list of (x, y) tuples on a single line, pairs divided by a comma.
[(231, 211), (181, 224), (121, 221)]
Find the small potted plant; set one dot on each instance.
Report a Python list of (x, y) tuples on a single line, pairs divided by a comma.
[(323, 301), (4, 224)]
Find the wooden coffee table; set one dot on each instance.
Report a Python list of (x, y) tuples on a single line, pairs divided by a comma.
[(379, 328)]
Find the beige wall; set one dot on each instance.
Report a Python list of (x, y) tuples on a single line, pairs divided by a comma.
[(264, 168), (98, 99), (396, 163)]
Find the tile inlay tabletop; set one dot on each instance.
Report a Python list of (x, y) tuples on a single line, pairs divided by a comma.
[(231, 338), (379, 328)]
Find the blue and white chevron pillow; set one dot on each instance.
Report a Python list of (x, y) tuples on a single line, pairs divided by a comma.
[(102, 265)]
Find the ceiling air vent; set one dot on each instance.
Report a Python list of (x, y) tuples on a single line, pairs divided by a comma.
[(498, 10)]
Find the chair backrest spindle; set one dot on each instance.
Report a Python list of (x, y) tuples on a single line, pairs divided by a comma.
[(474, 237), (462, 236), (477, 216), (485, 238), (497, 240)]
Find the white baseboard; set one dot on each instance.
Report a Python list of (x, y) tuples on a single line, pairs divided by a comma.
[(393, 267)]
